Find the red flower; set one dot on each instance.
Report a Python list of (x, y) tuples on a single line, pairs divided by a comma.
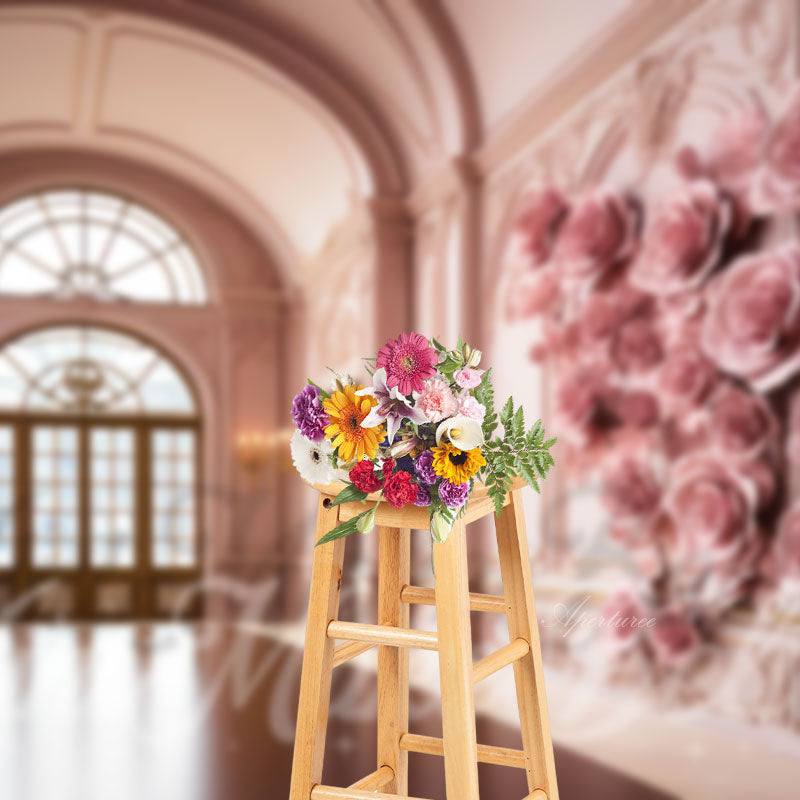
[(364, 478), (399, 490), (388, 467)]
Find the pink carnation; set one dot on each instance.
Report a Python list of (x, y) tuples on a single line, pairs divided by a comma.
[(437, 400), (468, 378), (469, 407)]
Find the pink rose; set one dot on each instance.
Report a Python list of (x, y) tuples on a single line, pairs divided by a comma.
[(599, 232), (787, 543), (469, 407), (631, 490), (623, 616), (636, 346), (777, 184), (637, 408), (689, 164), (740, 422), (468, 378), (579, 397), (531, 293), (437, 400), (736, 147), (604, 312), (686, 376), (683, 241), (674, 638), (752, 327), (711, 507), (542, 213), (761, 476)]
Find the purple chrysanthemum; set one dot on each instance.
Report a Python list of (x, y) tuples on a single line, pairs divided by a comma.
[(423, 466), (423, 498), (309, 415), (454, 495)]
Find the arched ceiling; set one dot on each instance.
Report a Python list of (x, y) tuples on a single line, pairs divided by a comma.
[(287, 109), (120, 82)]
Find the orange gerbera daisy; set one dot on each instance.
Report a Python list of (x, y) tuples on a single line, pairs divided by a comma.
[(346, 412)]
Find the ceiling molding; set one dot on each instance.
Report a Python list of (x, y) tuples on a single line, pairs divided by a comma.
[(622, 41), (250, 29)]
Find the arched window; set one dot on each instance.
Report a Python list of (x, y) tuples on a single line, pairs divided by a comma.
[(98, 467), (71, 243), (89, 370)]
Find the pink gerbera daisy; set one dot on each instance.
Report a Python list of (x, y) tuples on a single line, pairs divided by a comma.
[(408, 360)]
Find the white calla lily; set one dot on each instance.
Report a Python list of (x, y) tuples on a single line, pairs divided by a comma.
[(463, 432)]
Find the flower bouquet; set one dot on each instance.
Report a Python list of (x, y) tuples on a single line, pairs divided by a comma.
[(421, 434)]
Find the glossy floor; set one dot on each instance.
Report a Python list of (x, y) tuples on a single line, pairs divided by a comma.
[(179, 712)]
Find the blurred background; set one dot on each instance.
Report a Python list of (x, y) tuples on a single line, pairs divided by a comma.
[(203, 203)]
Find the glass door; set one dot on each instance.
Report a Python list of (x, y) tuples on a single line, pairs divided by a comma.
[(55, 509)]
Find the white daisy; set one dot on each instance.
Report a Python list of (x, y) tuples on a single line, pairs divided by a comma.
[(312, 459)]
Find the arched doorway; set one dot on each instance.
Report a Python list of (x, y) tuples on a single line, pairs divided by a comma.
[(99, 474), (99, 429)]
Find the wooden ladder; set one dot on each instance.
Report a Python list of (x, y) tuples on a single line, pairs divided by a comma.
[(393, 637)]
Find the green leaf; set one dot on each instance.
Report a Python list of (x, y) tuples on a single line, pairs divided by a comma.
[(344, 529), (322, 392), (348, 495), (508, 410)]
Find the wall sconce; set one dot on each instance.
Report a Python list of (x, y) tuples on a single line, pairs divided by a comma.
[(253, 451)]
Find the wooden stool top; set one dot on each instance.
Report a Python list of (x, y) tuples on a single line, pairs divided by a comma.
[(415, 517)]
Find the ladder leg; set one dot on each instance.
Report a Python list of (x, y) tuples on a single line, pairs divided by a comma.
[(455, 666), (315, 680), (512, 543), (394, 572)]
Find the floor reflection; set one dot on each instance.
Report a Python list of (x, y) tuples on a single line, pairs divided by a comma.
[(202, 712)]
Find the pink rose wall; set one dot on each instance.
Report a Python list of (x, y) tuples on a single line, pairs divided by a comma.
[(601, 196)]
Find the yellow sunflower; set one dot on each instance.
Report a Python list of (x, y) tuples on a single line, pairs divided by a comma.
[(346, 412), (457, 466)]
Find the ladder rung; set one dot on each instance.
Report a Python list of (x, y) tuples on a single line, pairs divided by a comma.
[(487, 754), (375, 780), (512, 652), (477, 602), (346, 652), (320, 792), (536, 794), (383, 634)]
